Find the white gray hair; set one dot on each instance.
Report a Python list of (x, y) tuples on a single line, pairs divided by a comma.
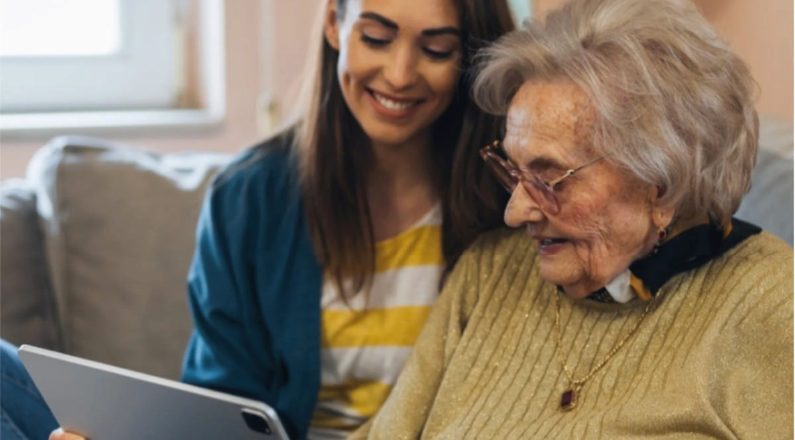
[(674, 104)]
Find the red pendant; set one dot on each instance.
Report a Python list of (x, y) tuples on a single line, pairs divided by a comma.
[(568, 400)]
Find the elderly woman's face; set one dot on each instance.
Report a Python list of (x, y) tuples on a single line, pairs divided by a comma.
[(605, 221)]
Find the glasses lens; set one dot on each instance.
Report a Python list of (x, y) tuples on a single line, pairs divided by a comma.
[(499, 168), (541, 193), (509, 176)]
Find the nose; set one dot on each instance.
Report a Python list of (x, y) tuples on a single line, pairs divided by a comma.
[(522, 209), (401, 70)]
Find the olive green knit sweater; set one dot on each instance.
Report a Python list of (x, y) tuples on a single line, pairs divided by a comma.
[(713, 358)]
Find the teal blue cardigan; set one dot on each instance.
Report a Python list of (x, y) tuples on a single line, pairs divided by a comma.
[(254, 289)]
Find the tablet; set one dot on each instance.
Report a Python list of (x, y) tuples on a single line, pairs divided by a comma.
[(102, 402)]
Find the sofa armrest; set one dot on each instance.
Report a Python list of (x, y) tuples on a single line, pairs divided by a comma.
[(27, 312)]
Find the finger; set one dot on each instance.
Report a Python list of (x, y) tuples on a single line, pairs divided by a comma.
[(60, 434)]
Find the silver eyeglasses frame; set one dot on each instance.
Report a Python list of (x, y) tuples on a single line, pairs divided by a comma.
[(508, 174)]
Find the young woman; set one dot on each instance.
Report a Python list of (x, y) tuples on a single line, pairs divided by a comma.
[(320, 251)]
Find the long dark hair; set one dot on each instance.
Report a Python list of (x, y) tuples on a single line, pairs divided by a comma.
[(332, 177)]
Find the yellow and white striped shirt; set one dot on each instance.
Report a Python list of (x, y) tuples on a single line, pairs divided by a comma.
[(366, 342)]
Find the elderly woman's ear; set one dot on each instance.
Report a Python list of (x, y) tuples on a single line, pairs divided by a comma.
[(663, 211)]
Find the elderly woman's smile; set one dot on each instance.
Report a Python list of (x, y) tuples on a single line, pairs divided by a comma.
[(605, 219)]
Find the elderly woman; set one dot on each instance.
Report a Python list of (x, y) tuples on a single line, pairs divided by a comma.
[(630, 304)]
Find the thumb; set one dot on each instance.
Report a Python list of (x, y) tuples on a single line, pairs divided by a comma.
[(60, 434)]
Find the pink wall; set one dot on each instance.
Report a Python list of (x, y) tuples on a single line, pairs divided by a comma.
[(762, 36), (761, 33)]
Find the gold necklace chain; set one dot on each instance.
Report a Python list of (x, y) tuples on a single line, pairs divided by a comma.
[(569, 398)]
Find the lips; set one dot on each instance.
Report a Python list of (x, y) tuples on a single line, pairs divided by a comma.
[(393, 104), (550, 241), (550, 245)]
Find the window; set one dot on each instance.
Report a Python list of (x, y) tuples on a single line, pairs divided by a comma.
[(67, 60), (40, 28), (521, 10)]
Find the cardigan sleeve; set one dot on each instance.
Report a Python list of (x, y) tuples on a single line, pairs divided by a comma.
[(253, 290), (219, 354), (404, 413)]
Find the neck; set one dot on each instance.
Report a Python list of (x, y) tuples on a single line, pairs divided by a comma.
[(679, 226), (395, 169), (401, 186)]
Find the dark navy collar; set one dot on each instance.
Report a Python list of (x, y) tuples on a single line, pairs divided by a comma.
[(686, 251)]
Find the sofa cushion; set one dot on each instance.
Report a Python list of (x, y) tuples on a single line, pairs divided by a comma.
[(27, 315), (769, 202), (119, 229)]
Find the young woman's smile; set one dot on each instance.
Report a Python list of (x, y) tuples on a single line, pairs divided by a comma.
[(393, 108)]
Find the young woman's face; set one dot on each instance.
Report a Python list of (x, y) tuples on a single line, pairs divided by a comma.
[(398, 64)]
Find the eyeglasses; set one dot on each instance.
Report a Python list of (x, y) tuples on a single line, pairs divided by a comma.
[(510, 175)]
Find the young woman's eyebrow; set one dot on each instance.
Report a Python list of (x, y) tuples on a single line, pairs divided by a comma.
[(442, 31), (379, 18), (427, 32)]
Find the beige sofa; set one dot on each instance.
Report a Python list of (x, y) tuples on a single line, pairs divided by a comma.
[(97, 239), (96, 243)]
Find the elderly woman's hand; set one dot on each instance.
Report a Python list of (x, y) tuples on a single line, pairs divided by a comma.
[(60, 434)]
